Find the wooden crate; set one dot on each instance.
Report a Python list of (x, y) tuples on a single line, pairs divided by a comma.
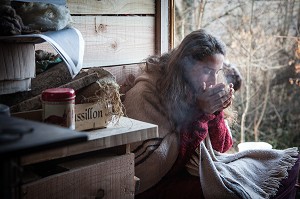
[(105, 176)]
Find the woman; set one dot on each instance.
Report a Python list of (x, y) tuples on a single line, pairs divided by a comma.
[(180, 92)]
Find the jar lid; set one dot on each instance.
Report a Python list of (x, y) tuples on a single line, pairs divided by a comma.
[(58, 94)]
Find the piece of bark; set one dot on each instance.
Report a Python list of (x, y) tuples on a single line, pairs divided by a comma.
[(53, 77), (96, 90), (36, 103)]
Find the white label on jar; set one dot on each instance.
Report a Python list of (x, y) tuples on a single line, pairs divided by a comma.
[(59, 113)]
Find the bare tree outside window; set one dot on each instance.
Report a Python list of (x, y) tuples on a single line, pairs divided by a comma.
[(263, 41)]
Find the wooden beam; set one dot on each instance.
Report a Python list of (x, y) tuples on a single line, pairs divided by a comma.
[(172, 22)]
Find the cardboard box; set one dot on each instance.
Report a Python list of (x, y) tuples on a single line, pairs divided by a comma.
[(17, 67), (87, 116), (35, 115), (92, 116)]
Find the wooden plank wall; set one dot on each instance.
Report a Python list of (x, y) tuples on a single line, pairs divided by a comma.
[(116, 32)]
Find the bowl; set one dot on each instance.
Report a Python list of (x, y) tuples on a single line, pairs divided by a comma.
[(253, 146)]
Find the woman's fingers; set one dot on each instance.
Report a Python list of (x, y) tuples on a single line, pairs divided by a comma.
[(227, 103), (214, 98), (223, 98)]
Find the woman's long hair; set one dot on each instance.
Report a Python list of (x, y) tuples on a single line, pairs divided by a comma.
[(173, 87)]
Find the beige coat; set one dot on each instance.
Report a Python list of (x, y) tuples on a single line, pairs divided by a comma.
[(155, 157)]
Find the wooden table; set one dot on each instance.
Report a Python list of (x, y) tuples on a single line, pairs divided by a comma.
[(101, 175), (124, 132)]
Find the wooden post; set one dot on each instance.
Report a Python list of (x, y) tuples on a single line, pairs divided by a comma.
[(162, 27)]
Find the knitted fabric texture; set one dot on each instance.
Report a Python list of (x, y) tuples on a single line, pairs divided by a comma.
[(247, 174)]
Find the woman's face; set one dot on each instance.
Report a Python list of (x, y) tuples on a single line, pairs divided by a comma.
[(206, 71)]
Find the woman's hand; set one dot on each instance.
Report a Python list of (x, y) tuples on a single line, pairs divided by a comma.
[(214, 98)]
